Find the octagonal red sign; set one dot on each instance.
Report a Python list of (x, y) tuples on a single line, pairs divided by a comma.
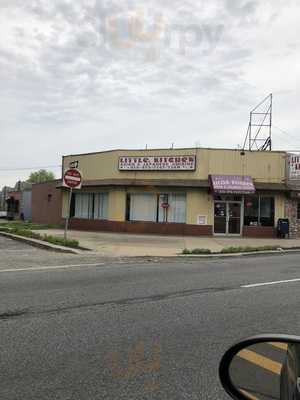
[(73, 178)]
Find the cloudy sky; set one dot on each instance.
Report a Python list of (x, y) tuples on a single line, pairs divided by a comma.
[(88, 75)]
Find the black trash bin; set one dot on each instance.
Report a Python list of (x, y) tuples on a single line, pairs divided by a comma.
[(283, 227)]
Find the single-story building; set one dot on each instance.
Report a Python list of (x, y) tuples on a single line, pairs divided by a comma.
[(47, 203), (190, 191)]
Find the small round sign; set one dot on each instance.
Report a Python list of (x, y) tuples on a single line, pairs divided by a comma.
[(72, 178), (165, 205)]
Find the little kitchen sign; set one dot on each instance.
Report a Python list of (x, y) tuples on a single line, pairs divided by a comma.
[(157, 163)]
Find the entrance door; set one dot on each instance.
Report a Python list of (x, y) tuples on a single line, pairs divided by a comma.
[(220, 226), (234, 218), (228, 217)]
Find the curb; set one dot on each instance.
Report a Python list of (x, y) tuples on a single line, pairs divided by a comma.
[(281, 252), (41, 244)]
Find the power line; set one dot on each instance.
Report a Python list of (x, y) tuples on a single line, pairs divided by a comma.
[(286, 133), (30, 168)]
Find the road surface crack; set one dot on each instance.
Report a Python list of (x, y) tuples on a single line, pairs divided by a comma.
[(114, 303)]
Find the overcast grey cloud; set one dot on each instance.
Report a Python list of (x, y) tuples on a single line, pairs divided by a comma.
[(88, 75)]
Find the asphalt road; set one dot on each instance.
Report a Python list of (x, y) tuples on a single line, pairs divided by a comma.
[(153, 330)]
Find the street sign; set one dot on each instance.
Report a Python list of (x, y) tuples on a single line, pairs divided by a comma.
[(74, 164), (73, 178)]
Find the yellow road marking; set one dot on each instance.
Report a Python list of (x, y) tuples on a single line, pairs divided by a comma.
[(247, 394), (261, 361), (279, 345)]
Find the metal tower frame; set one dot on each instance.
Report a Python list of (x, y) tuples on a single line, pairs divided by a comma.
[(257, 138)]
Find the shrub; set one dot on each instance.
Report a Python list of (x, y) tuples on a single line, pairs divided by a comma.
[(30, 225), (25, 233), (247, 249), (186, 251), (196, 251), (60, 241), (201, 251)]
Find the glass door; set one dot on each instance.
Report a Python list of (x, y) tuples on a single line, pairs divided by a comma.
[(234, 218), (227, 218), (220, 225)]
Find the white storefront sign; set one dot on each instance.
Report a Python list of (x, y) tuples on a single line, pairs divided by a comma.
[(158, 163), (202, 220), (294, 167)]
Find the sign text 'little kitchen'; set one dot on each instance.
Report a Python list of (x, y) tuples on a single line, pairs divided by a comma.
[(157, 163)]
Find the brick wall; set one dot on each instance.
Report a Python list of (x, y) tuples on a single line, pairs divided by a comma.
[(141, 227), (259, 231), (46, 203)]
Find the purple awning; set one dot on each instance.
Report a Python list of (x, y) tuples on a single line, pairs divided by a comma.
[(232, 184)]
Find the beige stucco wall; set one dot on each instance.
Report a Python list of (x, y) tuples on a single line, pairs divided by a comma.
[(262, 166), (279, 207), (117, 205), (198, 203)]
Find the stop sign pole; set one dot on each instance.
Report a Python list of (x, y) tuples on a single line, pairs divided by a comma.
[(72, 180)]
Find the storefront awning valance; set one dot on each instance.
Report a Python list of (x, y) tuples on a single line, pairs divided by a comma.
[(232, 184)]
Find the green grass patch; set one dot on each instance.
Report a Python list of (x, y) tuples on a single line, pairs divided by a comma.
[(196, 251), (230, 250), (29, 225), (247, 249), (20, 231), (60, 241), (25, 233)]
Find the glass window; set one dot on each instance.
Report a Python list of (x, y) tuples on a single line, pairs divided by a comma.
[(163, 199), (177, 208), (91, 205), (251, 211), (267, 211), (100, 205), (84, 205), (143, 207), (259, 210)]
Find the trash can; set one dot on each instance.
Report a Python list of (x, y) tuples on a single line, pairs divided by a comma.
[(283, 227)]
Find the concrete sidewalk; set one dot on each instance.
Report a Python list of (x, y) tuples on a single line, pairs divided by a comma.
[(128, 245)]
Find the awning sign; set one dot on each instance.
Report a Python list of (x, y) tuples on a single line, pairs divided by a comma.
[(232, 184), (157, 163)]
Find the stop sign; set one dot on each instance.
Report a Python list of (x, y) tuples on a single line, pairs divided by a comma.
[(73, 178)]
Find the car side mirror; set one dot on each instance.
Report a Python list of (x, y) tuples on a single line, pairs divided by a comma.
[(263, 367)]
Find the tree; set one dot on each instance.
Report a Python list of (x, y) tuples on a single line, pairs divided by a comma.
[(41, 176)]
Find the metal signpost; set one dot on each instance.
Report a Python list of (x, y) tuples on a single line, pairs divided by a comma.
[(72, 180)]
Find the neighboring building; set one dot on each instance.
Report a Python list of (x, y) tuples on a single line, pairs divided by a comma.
[(47, 203), (4, 193), (17, 201), (292, 204), (13, 200), (26, 204), (182, 191)]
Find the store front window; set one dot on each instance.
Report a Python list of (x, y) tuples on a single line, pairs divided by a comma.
[(152, 207), (91, 205), (259, 211), (172, 208), (143, 207)]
